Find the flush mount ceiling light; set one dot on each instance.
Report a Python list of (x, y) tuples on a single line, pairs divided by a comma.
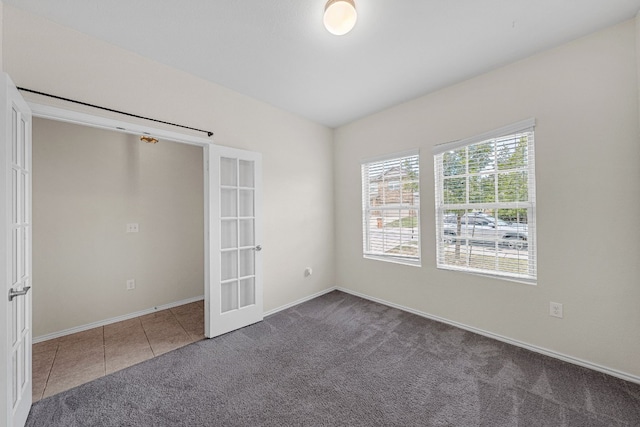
[(340, 16)]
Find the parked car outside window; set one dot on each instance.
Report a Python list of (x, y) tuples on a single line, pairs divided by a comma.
[(482, 229)]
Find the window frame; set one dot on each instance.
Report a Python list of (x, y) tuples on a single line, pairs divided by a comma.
[(367, 209), (524, 126)]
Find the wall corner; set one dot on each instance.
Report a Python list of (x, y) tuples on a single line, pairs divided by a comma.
[(1, 34), (637, 34)]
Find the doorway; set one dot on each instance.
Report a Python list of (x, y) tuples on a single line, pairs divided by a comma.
[(232, 182), (89, 187)]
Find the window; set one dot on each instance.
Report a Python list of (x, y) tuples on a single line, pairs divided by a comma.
[(486, 203), (391, 208)]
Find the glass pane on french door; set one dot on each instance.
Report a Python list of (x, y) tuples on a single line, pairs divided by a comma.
[(237, 234)]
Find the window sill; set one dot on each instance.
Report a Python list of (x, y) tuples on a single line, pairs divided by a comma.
[(395, 260), (523, 280)]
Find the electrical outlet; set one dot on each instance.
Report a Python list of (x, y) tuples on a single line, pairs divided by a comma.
[(308, 272), (131, 284), (555, 309), (132, 228)]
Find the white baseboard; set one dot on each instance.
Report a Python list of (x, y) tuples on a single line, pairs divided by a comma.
[(114, 319), (300, 301), (574, 360)]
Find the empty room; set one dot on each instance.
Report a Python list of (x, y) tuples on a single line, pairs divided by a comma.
[(377, 213)]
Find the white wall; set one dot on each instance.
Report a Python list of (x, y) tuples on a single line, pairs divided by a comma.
[(584, 97), (87, 185), (297, 154)]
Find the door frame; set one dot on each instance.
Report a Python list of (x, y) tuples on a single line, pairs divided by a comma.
[(85, 119)]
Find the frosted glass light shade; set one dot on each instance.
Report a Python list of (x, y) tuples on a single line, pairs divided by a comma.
[(340, 16)]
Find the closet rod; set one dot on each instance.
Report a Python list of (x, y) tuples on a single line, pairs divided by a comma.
[(209, 133)]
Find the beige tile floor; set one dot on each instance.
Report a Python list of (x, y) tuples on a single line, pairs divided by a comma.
[(69, 361)]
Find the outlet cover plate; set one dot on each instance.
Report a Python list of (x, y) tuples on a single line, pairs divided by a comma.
[(555, 309), (131, 284), (132, 228)]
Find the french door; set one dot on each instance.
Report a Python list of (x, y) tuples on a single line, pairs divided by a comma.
[(234, 295), (15, 256)]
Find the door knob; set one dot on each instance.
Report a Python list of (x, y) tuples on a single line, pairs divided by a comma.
[(258, 248), (13, 294)]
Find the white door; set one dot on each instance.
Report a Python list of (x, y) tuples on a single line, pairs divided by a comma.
[(15, 256), (234, 294)]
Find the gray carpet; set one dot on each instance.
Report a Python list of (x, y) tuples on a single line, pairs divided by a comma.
[(341, 360)]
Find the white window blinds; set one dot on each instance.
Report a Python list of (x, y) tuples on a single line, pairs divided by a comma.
[(485, 203), (391, 208)]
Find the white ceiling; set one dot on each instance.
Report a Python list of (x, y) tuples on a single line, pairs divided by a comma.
[(278, 51)]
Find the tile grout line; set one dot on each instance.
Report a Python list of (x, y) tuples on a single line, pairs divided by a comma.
[(146, 336), (180, 323), (104, 353), (199, 337), (46, 383)]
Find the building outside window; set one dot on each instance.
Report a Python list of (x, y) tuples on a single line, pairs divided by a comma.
[(391, 208)]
